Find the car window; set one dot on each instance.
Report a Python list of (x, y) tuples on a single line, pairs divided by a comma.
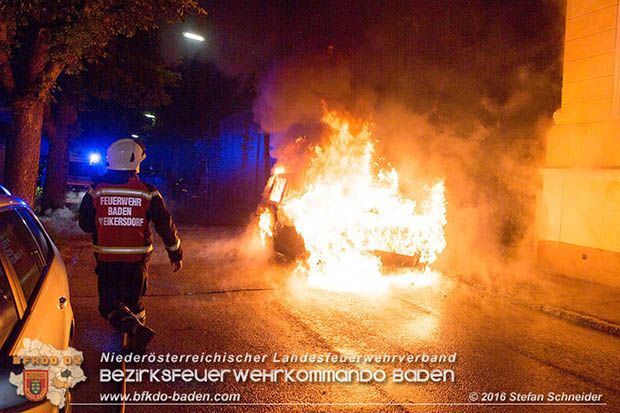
[(37, 232), (278, 189), (17, 244), (8, 311)]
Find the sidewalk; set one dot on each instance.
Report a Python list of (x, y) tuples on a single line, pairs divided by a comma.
[(583, 302)]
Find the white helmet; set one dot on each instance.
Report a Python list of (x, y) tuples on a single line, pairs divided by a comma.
[(125, 155)]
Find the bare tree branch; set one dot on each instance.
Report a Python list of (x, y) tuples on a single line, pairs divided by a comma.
[(48, 78), (39, 57)]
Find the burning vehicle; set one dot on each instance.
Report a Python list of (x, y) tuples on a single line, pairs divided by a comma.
[(345, 220), (286, 240), (290, 245)]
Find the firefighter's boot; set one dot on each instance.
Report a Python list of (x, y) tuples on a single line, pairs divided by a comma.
[(140, 339), (138, 334)]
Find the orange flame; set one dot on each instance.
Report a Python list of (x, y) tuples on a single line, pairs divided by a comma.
[(265, 225), (349, 207)]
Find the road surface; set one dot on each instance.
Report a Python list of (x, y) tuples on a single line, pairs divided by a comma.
[(225, 301)]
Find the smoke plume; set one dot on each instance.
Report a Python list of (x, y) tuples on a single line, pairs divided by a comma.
[(462, 90)]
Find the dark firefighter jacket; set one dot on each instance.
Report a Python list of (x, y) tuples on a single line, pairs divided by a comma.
[(117, 209)]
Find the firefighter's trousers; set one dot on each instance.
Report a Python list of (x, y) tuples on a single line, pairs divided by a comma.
[(121, 284)]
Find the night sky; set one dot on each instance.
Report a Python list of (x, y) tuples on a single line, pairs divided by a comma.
[(446, 58), (454, 61)]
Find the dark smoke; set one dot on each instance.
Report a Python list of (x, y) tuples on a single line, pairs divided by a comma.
[(458, 89)]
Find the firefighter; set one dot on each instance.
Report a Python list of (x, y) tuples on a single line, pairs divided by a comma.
[(117, 209)]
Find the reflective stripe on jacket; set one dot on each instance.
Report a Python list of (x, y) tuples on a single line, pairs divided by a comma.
[(123, 250)]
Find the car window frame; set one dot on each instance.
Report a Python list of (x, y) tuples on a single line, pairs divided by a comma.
[(18, 302), (282, 176), (45, 259), (6, 364), (18, 298), (24, 306), (11, 275), (45, 263)]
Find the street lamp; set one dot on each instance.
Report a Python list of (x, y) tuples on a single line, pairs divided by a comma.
[(149, 115), (133, 135), (193, 36)]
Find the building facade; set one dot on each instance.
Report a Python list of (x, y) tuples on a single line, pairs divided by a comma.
[(236, 169), (578, 209)]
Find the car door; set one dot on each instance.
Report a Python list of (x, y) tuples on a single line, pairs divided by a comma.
[(16, 254), (9, 318), (40, 277)]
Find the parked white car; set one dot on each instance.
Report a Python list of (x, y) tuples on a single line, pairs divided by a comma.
[(34, 296)]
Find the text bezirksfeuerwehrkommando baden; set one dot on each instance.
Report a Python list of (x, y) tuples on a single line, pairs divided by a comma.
[(310, 375)]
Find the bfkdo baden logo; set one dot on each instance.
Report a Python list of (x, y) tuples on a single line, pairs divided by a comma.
[(36, 384), (48, 372)]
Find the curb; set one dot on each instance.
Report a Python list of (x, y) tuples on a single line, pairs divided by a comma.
[(572, 316), (568, 315)]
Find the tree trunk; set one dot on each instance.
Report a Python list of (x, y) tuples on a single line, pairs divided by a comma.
[(27, 104), (55, 186), (23, 149), (56, 173)]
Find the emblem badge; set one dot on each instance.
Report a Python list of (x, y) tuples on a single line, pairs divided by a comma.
[(35, 384)]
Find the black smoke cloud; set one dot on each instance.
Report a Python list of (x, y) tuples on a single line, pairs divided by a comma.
[(458, 89)]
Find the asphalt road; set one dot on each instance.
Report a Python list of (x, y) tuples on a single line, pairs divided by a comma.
[(224, 301)]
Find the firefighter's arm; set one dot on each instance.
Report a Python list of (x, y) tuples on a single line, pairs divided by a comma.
[(162, 221), (87, 214)]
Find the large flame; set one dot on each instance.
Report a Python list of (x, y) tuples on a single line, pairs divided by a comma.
[(349, 207), (265, 224)]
